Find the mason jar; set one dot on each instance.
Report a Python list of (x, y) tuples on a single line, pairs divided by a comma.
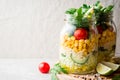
[(107, 38), (79, 45)]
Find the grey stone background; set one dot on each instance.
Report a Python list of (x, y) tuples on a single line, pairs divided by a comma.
[(30, 28)]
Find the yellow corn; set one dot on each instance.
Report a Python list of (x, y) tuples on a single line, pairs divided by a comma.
[(80, 48), (76, 41), (91, 45), (89, 50), (93, 40), (81, 41), (108, 39), (73, 38), (75, 49), (87, 42), (104, 33), (72, 46), (84, 46), (99, 35), (110, 33), (85, 53), (72, 42), (68, 39), (84, 68), (84, 50), (113, 34), (65, 37), (103, 39)]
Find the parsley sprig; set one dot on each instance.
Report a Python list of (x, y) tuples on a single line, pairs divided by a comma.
[(77, 16), (57, 69), (103, 14)]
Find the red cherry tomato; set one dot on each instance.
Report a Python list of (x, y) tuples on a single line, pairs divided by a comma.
[(100, 29), (44, 67), (81, 34)]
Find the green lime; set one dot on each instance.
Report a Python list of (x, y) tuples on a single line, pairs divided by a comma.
[(103, 69), (113, 66)]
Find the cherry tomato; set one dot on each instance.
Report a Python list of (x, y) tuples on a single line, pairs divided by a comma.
[(81, 34), (44, 67), (100, 29)]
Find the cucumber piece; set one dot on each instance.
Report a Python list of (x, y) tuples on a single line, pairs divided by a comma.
[(78, 59)]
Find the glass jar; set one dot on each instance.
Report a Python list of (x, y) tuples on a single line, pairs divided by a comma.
[(79, 45), (107, 38)]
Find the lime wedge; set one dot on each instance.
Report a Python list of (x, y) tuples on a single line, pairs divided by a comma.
[(103, 69), (113, 66)]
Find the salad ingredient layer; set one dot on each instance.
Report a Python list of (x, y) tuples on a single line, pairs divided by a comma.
[(80, 34), (86, 46)]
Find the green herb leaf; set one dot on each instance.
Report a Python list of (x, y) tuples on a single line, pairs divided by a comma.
[(85, 8), (97, 3), (71, 11), (54, 77), (103, 14), (76, 16), (108, 9), (80, 13), (56, 70), (63, 55), (59, 68)]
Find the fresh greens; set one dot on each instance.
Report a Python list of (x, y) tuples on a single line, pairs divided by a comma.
[(77, 16), (99, 8), (71, 11), (108, 9), (57, 69), (82, 17), (103, 14)]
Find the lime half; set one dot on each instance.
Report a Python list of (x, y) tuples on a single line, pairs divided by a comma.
[(103, 69), (111, 65)]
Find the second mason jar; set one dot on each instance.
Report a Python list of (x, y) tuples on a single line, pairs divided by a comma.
[(106, 32)]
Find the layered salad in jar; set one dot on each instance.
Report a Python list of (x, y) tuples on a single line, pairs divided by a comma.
[(78, 46), (87, 42), (106, 30)]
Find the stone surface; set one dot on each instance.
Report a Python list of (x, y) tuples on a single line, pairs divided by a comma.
[(30, 28)]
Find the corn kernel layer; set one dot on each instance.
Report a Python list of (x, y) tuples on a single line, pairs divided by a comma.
[(106, 37), (85, 46)]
